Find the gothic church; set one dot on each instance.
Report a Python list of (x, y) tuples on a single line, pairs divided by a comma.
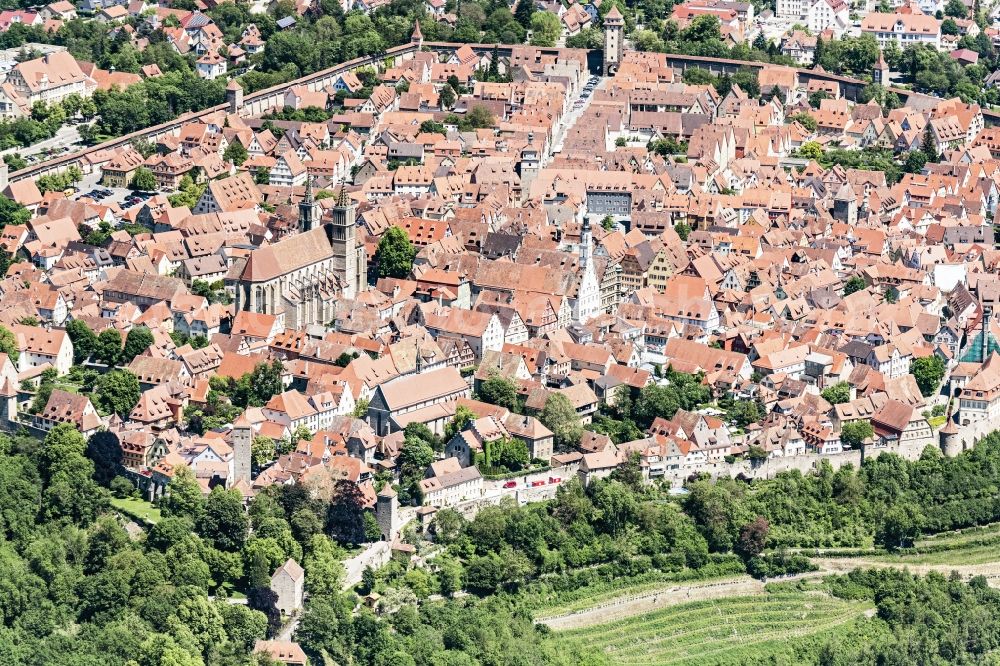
[(301, 277)]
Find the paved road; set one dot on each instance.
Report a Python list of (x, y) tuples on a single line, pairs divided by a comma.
[(571, 117), (68, 135)]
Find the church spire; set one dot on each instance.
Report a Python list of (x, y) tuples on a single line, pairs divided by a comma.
[(309, 212), (342, 199), (309, 189)]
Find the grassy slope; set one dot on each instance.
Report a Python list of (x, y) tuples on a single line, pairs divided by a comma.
[(726, 631), (136, 509)]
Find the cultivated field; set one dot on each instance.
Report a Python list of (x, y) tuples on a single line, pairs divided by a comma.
[(721, 631)]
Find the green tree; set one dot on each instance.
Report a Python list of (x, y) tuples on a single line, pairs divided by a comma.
[(414, 458), (523, 12), (561, 418), (545, 28), (143, 180), (8, 344), (224, 521), (928, 145), (84, 340), (118, 392), (244, 626), (479, 117), (702, 29), (12, 212), (395, 254), (855, 283), (803, 119), (853, 434), (138, 340), (463, 416), (914, 161), (70, 492), (432, 127), (811, 150), (499, 390), (718, 510), (184, 498), (447, 97), (956, 9), (262, 450), (323, 566), (347, 508), (928, 371), (236, 153), (899, 526), (838, 393), (109, 346)]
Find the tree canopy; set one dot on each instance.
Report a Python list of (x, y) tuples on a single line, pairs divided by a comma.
[(395, 254)]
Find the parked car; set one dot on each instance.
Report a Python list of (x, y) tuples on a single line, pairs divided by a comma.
[(554, 479), (535, 484), (510, 484)]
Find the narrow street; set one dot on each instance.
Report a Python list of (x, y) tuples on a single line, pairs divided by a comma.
[(571, 117)]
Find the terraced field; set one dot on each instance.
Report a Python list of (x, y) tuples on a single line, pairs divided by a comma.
[(960, 556), (723, 631), (966, 548)]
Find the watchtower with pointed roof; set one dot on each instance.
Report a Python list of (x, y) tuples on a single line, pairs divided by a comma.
[(234, 96), (881, 70), (614, 25)]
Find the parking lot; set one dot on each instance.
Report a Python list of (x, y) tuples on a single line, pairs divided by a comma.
[(123, 197)]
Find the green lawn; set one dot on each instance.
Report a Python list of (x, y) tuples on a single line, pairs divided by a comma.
[(724, 631), (139, 510)]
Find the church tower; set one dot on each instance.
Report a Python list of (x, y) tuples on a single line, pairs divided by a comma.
[(614, 25), (349, 263), (309, 211)]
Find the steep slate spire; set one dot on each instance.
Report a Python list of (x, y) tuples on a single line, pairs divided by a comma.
[(309, 211), (308, 197), (342, 199)]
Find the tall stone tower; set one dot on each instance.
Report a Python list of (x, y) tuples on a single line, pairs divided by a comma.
[(586, 239), (349, 262), (242, 442), (614, 25), (234, 96), (880, 73), (417, 37), (309, 211), (529, 165), (387, 512)]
